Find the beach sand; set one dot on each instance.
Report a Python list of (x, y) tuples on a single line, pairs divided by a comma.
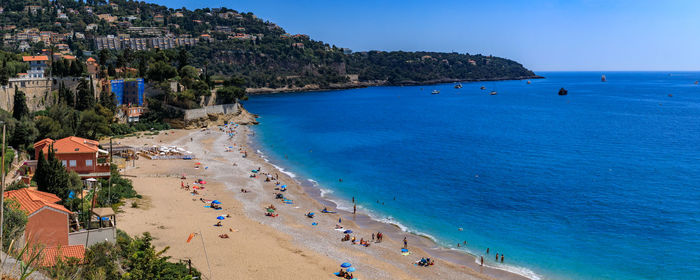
[(262, 247)]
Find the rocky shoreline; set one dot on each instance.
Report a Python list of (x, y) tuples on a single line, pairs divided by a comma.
[(352, 85)]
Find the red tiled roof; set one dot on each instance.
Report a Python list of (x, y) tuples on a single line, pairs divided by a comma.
[(69, 145), (51, 255), (31, 201), (35, 58)]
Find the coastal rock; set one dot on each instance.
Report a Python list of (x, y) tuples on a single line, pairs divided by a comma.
[(563, 91), (237, 114)]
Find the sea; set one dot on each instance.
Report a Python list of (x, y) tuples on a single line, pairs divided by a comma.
[(601, 183)]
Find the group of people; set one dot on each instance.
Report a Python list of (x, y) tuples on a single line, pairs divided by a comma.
[(497, 255), (346, 275), (426, 262)]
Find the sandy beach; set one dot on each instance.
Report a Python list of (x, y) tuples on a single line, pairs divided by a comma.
[(259, 246)]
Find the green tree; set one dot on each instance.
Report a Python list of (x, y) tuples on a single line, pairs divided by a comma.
[(93, 125), (108, 100), (86, 97), (229, 94), (24, 134), (4, 75), (182, 58), (104, 56), (142, 261), (19, 108), (160, 71), (14, 221), (54, 177)]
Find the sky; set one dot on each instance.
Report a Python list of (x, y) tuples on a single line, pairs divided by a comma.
[(543, 35)]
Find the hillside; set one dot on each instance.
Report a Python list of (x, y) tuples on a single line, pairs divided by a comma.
[(227, 43)]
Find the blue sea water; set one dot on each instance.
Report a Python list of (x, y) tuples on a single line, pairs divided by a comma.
[(603, 183)]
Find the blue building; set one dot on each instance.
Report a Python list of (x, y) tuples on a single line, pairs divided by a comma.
[(129, 92)]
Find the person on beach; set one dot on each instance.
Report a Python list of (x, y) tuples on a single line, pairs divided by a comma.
[(487, 251), (405, 243), (354, 209), (482, 260), (502, 256), (496, 256), (373, 237), (457, 245), (353, 199)]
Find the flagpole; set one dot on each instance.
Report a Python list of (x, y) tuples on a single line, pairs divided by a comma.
[(201, 237)]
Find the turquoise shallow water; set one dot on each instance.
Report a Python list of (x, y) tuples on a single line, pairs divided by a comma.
[(600, 184)]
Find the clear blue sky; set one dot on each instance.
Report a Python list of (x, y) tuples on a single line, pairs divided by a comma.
[(541, 34)]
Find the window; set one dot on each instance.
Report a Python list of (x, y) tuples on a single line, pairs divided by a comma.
[(88, 162), (63, 162), (73, 163)]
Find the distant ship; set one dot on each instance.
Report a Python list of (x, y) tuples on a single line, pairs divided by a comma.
[(563, 91), (458, 86), (603, 79), (493, 92), (435, 91), (483, 88)]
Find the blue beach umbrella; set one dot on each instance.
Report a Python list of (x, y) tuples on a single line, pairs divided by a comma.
[(339, 220), (404, 250), (347, 231), (220, 217), (345, 265), (283, 187), (216, 202), (352, 269)]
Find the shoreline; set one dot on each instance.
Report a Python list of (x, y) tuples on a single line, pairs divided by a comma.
[(354, 85), (395, 229), (262, 247)]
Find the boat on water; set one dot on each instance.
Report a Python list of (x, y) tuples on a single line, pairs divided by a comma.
[(483, 88), (603, 79), (435, 91), (493, 92), (528, 82), (458, 86)]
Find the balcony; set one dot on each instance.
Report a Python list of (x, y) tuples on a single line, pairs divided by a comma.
[(100, 227)]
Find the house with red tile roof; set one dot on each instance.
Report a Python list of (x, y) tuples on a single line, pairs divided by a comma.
[(47, 224), (37, 65), (77, 154)]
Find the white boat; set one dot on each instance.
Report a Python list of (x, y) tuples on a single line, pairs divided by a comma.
[(435, 91)]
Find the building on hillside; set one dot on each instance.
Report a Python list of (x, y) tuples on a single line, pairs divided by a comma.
[(92, 67), (77, 154), (56, 229), (130, 114), (47, 225), (128, 92), (37, 65)]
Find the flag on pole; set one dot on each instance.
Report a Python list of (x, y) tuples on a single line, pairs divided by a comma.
[(190, 238)]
